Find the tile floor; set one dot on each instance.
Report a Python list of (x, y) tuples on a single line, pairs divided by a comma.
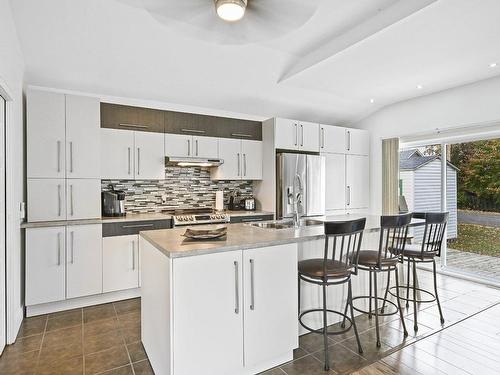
[(105, 339)]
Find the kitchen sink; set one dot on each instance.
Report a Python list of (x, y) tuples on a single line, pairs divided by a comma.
[(285, 224)]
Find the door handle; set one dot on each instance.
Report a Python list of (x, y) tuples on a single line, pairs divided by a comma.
[(196, 131), (252, 285), (296, 134), (301, 135), (138, 160), (72, 239), (239, 167), (71, 199), (236, 289), (71, 157), (189, 147), (128, 148), (59, 200), (58, 248), (348, 195), (348, 140), (196, 142), (322, 137), (133, 255), (58, 156), (244, 164)]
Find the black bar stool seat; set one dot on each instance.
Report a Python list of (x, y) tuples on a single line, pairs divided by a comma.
[(370, 258), (315, 269)]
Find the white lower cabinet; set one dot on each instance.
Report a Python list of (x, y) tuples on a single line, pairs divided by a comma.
[(270, 301), (120, 258), (62, 262), (45, 265), (83, 260)]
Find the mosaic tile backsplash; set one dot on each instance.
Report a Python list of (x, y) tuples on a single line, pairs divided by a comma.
[(182, 188)]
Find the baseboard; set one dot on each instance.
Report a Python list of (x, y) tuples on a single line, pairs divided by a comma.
[(75, 303)]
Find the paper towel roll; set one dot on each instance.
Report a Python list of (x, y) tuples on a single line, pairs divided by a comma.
[(219, 200)]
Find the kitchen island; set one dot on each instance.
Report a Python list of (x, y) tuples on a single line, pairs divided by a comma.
[(229, 306)]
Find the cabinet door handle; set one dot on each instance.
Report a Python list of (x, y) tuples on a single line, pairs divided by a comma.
[(193, 131), (138, 160), (133, 255), (58, 156), (133, 126), (189, 147), (137, 226), (72, 240), (196, 142), (128, 148), (322, 137), (252, 285), (71, 199), (241, 135), (59, 200), (301, 135), (244, 164), (348, 195), (239, 167), (59, 248), (251, 220), (71, 157), (348, 140), (296, 134), (236, 289)]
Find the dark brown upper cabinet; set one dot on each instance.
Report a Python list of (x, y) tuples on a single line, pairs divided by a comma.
[(144, 119), (132, 118)]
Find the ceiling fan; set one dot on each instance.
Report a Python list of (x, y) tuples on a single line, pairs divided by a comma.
[(232, 21)]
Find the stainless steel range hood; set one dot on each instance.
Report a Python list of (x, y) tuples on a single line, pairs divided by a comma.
[(172, 161)]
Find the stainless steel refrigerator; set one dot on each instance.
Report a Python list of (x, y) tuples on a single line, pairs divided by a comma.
[(304, 175)]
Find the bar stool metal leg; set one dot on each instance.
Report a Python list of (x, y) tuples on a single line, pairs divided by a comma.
[(415, 322), (399, 302), (298, 295), (349, 303), (436, 290), (386, 291), (370, 299), (408, 286), (376, 307), (325, 330)]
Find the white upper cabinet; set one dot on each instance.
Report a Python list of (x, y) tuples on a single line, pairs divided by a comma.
[(357, 181), (117, 154), (46, 199), (178, 145), (296, 135), (82, 137), (181, 145), (308, 136), (46, 134), (358, 142), (335, 186), (83, 199), (251, 152), (83, 260), (149, 157), (332, 139)]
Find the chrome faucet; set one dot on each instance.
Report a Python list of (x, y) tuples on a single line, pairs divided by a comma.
[(295, 198)]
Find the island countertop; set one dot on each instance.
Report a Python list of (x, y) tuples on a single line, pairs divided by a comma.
[(173, 244)]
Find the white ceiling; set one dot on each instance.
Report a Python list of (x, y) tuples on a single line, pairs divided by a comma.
[(115, 47)]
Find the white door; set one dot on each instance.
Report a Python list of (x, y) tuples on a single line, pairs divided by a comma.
[(149, 156), (335, 182), (83, 199), (45, 143), (230, 152), (206, 147), (46, 199), (120, 263), (178, 145), (83, 260), (3, 248), (270, 300), (45, 265), (117, 154), (357, 181), (83, 118), (332, 139), (209, 315), (251, 160), (308, 136), (286, 134), (358, 142)]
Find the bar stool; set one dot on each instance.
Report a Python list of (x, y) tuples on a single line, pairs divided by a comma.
[(335, 269), (392, 240), (426, 252)]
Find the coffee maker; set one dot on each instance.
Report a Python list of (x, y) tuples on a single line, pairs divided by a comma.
[(113, 202)]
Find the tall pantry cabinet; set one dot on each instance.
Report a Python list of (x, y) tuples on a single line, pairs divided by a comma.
[(63, 260)]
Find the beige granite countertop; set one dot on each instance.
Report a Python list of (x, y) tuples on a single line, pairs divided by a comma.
[(244, 236)]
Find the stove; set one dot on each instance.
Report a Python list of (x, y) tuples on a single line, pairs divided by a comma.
[(198, 216)]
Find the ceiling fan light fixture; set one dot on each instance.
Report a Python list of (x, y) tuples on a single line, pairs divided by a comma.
[(231, 10)]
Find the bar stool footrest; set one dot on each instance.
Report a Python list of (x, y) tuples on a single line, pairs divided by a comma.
[(380, 313), (320, 331), (404, 287)]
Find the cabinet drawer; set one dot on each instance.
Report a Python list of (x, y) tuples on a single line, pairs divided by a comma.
[(125, 117), (133, 227), (250, 218)]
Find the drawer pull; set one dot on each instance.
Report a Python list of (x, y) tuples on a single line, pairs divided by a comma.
[(138, 226), (241, 135), (193, 131), (134, 126), (252, 219)]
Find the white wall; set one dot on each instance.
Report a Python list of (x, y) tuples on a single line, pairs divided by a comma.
[(474, 104), (11, 76)]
